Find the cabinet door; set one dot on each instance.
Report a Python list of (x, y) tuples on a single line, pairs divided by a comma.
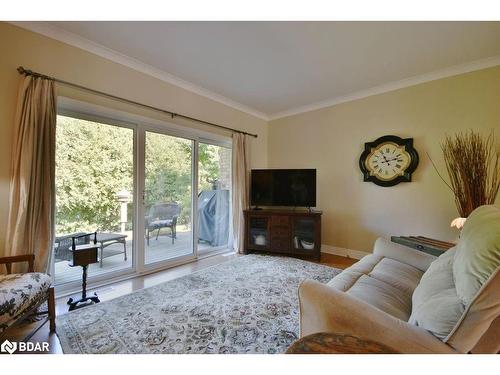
[(305, 234), (258, 232)]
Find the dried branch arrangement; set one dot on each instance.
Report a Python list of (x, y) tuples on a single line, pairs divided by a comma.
[(473, 166)]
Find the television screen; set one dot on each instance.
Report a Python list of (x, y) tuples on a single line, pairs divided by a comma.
[(283, 187)]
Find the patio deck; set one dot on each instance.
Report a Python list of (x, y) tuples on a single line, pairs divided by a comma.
[(113, 259)]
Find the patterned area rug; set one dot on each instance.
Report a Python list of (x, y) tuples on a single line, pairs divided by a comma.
[(247, 305)]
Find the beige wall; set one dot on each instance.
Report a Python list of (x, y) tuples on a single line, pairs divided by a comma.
[(331, 140), (33, 51)]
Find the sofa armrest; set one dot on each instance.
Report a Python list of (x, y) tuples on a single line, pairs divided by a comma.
[(404, 254), (325, 309)]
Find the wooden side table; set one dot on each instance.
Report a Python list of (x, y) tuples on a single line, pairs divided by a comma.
[(333, 343), (83, 256)]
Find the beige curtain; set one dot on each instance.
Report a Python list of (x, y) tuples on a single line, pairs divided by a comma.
[(32, 189), (240, 190)]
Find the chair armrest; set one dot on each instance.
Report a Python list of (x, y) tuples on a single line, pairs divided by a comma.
[(403, 254), (325, 309), (30, 258)]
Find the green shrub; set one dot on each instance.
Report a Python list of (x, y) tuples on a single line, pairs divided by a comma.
[(95, 161)]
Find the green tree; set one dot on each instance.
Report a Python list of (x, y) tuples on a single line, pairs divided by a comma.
[(209, 166), (168, 172), (94, 161)]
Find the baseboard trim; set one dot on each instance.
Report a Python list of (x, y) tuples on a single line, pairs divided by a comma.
[(341, 251)]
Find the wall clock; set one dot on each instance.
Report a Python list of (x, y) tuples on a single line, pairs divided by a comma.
[(388, 160)]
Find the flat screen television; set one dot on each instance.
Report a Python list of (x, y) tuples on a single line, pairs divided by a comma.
[(283, 187)]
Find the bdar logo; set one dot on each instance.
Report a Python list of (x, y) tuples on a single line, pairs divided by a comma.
[(8, 347)]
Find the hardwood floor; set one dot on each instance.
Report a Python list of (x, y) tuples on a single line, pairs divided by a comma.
[(337, 261), (128, 286)]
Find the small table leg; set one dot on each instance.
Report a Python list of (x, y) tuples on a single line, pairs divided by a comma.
[(80, 303)]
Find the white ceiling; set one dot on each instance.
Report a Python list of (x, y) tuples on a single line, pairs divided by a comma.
[(278, 68)]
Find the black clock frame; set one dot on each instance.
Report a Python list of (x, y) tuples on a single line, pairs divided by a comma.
[(406, 177)]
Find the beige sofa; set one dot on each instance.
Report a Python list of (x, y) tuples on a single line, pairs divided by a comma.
[(414, 302)]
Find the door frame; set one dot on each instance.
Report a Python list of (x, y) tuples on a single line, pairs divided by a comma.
[(70, 286), (163, 264), (140, 125)]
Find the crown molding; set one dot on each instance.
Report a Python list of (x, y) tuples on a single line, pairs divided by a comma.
[(392, 86), (53, 32), (64, 36)]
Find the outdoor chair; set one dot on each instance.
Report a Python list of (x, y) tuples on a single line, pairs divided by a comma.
[(162, 215), (63, 245)]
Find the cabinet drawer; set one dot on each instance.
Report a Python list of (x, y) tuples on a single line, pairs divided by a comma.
[(280, 220), (280, 244), (280, 232)]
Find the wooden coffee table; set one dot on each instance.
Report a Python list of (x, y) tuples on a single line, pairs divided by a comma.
[(332, 343)]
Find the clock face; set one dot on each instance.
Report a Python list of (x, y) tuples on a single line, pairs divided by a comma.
[(388, 160)]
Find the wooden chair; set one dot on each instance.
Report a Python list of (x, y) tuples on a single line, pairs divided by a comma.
[(32, 305)]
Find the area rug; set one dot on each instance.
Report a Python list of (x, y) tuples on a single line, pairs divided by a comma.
[(246, 305)]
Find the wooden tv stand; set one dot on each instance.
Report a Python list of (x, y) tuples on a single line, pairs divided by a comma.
[(291, 232)]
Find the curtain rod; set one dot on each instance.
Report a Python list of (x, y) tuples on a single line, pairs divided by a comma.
[(24, 71)]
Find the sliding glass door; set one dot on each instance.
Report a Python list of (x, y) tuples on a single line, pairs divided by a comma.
[(168, 197), (155, 199), (94, 193)]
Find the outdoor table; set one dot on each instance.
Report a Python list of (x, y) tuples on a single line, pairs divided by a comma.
[(107, 239)]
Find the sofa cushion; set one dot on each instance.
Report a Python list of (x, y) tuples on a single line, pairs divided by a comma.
[(383, 296), (18, 293), (482, 319), (459, 295), (478, 252), (347, 278), (397, 274), (436, 306), (384, 283), (476, 270)]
